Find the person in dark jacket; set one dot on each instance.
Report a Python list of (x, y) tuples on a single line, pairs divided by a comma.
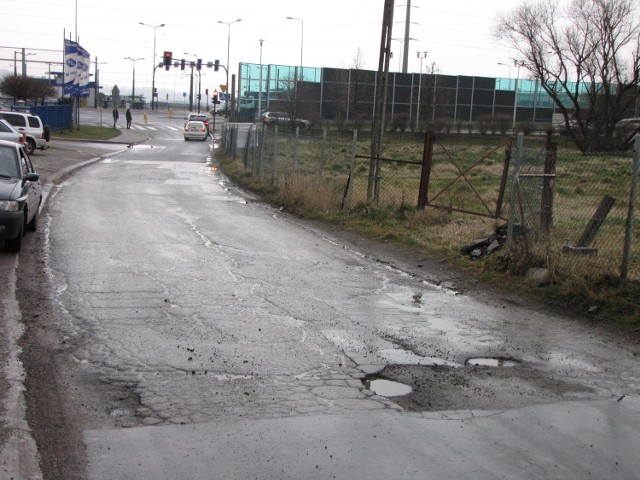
[(116, 115), (128, 116)]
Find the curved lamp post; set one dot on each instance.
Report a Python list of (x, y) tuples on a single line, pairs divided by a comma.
[(133, 86), (228, 24), (153, 77)]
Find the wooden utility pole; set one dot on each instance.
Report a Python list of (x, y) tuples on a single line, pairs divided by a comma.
[(382, 81)]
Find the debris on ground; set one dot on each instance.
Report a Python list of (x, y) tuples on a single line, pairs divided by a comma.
[(486, 246)]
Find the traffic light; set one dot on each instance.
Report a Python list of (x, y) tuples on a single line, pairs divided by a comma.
[(199, 64), (215, 97), (216, 65), (206, 92), (182, 64), (167, 57)]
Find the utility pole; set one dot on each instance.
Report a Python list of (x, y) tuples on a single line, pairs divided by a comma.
[(405, 55), (382, 80)]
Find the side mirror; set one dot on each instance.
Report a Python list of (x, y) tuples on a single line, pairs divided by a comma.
[(32, 177)]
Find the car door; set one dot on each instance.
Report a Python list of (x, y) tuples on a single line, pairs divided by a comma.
[(30, 187)]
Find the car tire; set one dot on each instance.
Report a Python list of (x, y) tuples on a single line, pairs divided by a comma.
[(14, 244), (31, 145), (32, 226)]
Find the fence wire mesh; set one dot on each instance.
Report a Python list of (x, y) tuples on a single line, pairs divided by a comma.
[(571, 210), (568, 211)]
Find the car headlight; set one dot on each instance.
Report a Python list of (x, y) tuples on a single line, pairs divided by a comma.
[(9, 206)]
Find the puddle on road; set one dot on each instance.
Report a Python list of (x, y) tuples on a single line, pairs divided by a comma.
[(492, 362), (387, 388), (139, 146)]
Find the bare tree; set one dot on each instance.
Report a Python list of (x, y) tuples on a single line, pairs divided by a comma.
[(587, 58), (27, 88)]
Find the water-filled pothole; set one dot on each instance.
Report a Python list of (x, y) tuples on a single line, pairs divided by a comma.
[(492, 362), (387, 388)]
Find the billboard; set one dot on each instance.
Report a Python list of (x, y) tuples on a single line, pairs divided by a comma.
[(76, 69)]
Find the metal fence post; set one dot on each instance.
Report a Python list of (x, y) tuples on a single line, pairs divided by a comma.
[(323, 150), (633, 196), (295, 149), (427, 162), (514, 201), (346, 198), (274, 175), (546, 208), (263, 141)]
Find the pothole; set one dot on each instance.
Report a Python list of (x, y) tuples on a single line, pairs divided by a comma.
[(492, 362), (387, 388)]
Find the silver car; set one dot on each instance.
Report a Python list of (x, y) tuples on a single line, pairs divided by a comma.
[(10, 134), (195, 130)]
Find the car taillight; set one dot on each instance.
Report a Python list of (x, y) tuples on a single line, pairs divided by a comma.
[(186, 129), (204, 129)]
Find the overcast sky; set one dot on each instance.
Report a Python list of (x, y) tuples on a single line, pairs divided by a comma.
[(455, 33)]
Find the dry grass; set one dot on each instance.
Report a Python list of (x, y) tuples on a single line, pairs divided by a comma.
[(302, 187)]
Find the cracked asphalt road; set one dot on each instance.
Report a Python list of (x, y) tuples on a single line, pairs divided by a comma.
[(178, 328)]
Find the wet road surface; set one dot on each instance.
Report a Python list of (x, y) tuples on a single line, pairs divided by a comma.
[(200, 333)]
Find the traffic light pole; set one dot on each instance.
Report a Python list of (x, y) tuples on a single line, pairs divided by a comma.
[(153, 87), (199, 85)]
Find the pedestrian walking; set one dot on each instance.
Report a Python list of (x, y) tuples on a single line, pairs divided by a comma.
[(128, 116), (116, 115)]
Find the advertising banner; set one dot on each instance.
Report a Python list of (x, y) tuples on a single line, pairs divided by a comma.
[(77, 62)]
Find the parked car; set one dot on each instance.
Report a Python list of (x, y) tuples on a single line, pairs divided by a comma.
[(285, 119), (627, 126), (37, 134), (195, 130), (10, 134), (20, 194), (199, 117)]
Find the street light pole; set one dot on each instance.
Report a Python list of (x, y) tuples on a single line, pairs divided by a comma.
[(402, 48), (421, 56), (515, 96), (228, 24), (153, 63), (301, 40), (133, 85), (260, 87), (191, 64)]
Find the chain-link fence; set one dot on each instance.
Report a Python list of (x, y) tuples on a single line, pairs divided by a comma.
[(569, 212), (574, 212)]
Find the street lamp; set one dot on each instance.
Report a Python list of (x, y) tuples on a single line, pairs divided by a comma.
[(133, 86), (24, 62), (508, 66), (153, 63), (515, 96), (301, 40), (260, 87), (421, 56), (191, 64), (402, 40), (228, 24)]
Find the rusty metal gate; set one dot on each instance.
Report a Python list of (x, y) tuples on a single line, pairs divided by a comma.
[(466, 177)]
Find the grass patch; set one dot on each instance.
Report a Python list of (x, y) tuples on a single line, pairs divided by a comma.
[(87, 132)]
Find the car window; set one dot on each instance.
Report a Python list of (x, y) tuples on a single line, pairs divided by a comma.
[(4, 128), (13, 119), (34, 122), (25, 165), (8, 161)]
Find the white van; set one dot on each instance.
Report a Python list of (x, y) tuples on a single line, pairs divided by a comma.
[(31, 125)]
